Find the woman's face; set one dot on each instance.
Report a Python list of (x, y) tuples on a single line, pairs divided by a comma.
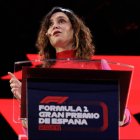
[(60, 32)]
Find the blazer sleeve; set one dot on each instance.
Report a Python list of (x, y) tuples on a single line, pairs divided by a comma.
[(127, 120)]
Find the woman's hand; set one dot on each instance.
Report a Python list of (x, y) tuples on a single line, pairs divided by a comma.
[(121, 123), (126, 119), (24, 123), (15, 85)]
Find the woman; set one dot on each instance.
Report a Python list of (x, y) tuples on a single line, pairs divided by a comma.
[(64, 35)]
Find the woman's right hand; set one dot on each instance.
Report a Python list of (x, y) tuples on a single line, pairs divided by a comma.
[(15, 85)]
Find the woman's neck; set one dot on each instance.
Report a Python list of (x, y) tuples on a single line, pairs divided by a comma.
[(58, 50), (64, 46)]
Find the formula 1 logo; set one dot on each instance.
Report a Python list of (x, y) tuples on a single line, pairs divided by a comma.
[(56, 113), (55, 99)]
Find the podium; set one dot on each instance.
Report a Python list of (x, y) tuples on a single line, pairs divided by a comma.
[(77, 100)]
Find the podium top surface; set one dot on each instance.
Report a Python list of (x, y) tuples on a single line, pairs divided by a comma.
[(97, 64)]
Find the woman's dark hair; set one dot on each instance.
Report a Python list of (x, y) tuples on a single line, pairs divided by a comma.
[(82, 37)]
